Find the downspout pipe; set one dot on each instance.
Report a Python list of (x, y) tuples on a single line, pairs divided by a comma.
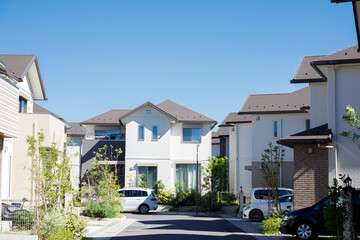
[(334, 118)]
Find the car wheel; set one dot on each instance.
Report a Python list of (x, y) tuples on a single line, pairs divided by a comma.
[(305, 231), (143, 209), (256, 215)]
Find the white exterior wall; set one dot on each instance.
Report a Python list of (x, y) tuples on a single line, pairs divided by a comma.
[(318, 103), (343, 89), (25, 91), (244, 136), (164, 153), (232, 160), (263, 132), (6, 168), (73, 151)]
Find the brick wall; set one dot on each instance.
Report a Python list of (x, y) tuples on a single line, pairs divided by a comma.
[(310, 174)]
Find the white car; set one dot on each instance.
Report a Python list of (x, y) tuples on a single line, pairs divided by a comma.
[(258, 211), (259, 195), (138, 199)]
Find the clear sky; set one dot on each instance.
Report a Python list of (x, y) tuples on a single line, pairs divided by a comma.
[(206, 55)]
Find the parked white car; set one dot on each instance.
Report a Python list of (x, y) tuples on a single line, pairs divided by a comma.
[(258, 211), (138, 199), (259, 195)]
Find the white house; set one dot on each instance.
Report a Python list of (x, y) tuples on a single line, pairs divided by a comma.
[(321, 154), (159, 141), (163, 142), (264, 118)]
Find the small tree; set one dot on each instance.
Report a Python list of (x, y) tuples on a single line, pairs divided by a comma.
[(271, 161), (353, 119), (50, 174), (215, 177)]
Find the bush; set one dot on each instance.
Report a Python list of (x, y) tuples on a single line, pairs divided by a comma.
[(180, 195), (190, 197), (166, 197), (101, 209), (61, 235), (271, 224), (76, 225), (228, 197), (206, 203), (158, 187), (24, 220), (52, 223)]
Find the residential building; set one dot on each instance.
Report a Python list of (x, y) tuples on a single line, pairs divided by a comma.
[(263, 119), (161, 141), (220, 142), (321, 153)]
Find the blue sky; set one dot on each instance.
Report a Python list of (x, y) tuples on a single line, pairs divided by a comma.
[(206, 55)]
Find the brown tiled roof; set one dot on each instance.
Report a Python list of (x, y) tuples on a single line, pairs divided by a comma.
[(107, 118), (234, 117), (18, 66), (221, 132), (39, 109), (294, 102), (76, 129), (305, 72), (346, 56), (320, 134), (183, 114)]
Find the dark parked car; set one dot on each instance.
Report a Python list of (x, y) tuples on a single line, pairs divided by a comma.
[(308, 223)]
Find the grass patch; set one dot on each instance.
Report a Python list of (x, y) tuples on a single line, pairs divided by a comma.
[(270, 232)]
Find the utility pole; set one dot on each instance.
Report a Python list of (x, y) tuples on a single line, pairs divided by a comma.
[(197, 176)]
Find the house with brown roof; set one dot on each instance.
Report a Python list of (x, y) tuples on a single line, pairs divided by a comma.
[(262, 119), (321, 153), (161, 141), (220, 142)]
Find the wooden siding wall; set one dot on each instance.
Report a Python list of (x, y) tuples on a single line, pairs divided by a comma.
[(9, 108)]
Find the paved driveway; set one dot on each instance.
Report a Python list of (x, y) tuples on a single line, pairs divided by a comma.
[(169, 226)]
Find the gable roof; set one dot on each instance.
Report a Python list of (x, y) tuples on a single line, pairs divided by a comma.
[(348, 55), (175, 112), (19, 65), (221, 132), (233, 118), (107, 118), (320, 134), (294, 102), (39, 109), (76, 129), (183, 114), (305, 72)]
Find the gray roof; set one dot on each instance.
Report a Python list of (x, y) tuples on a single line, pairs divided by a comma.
[(305, 72), (39, 109), (221, 132), (18, 66), (76, 129), (294, 102), (234, 117), (107, 118)]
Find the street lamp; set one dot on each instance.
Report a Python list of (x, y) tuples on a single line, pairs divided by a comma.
[(197, 176), (356, 9), (348, 181)]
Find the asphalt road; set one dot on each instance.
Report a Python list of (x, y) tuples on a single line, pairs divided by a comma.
[(160, 226)]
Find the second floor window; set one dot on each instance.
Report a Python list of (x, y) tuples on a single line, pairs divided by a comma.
[(191, 135), (154, 133), (107, 135), (276, 133), (141, 133), (22, 105)]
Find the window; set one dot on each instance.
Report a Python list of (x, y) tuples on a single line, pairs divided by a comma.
[(154, 133), (276, 134), (191, 135), (307, 124), (107, 135), (187, 174), (141, 133), (22, 105), (150, 175)]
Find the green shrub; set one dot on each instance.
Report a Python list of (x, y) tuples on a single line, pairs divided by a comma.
[(166, 197), (101, 209), (62, 234), (180, 195), (24, 220), (190, 197), (206, 203), (271, 224), (275, 214), (76, 225), (158, 187), (52, 223), (228, 197)]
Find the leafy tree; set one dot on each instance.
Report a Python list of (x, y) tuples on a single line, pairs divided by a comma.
[(353, 119), (271, 161), (143, 182), (215, 177)]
